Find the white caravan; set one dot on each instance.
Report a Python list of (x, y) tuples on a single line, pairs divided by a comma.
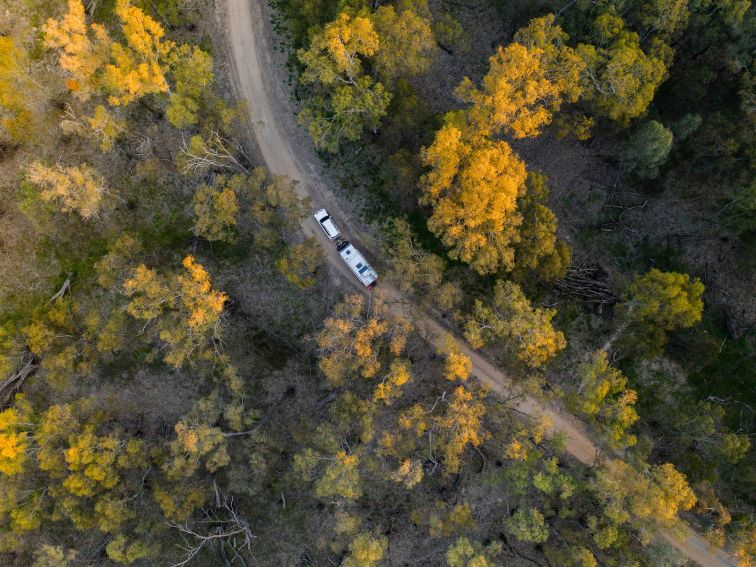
[(357, 264)]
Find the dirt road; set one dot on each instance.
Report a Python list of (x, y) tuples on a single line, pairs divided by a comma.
[(258, 80)]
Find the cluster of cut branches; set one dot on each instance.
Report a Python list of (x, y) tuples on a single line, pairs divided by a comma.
[(584, 283)]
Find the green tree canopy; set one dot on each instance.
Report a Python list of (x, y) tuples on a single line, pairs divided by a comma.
[(510, 316), (604, 398), (660, 302), (538, 250), (620, 78), (528, 525), (346, 100), (646, 150)]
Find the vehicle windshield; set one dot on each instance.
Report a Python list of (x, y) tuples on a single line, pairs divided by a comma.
[(325, 218)]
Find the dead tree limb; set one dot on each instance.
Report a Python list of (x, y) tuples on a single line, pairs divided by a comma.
[(63, 289), (213, 151), (224, 527), (11, 385)]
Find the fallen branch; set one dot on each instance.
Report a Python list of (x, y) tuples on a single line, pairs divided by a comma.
[(227, 530), (28, 366), (214, 151), (63, 289)]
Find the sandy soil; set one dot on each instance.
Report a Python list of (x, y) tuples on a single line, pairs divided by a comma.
[(260, 81)]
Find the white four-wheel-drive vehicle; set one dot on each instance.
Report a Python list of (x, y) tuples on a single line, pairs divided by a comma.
[(326, 223)]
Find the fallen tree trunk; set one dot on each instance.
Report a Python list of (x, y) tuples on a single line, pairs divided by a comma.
[(63, 289), (12, 384)]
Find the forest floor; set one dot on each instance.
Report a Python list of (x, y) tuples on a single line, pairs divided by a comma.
[(260, 80), (603, 216)]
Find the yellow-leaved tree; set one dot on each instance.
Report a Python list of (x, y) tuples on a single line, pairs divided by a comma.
[(527, 82), (16, 115), (84, 49), (644, 499), (76, 188), (472, 187), (300, 262), (186, 309), (475, 181), (77, 469), (15, 425), (366, 550), (340, 478), (440, 432), (604, 398), (460, 426), (406, 45), (660, 302), (457, 365), (193, 76), (216, 212), (137, 67), (95, 62), (620, 77), (346, 101), (464, 553), (360, 339), (511, 316), (389, 389), (104, 126), (193, 445)]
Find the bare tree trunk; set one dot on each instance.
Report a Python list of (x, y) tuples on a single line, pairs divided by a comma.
[(63, 289)]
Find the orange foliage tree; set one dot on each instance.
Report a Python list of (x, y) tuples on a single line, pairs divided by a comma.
[(97, 63), (527, 82), (360, 339), (16, 115), (138, 67), (472, 187), (84, 49)]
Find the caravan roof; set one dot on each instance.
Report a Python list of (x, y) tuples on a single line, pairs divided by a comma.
[(359, 266)]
